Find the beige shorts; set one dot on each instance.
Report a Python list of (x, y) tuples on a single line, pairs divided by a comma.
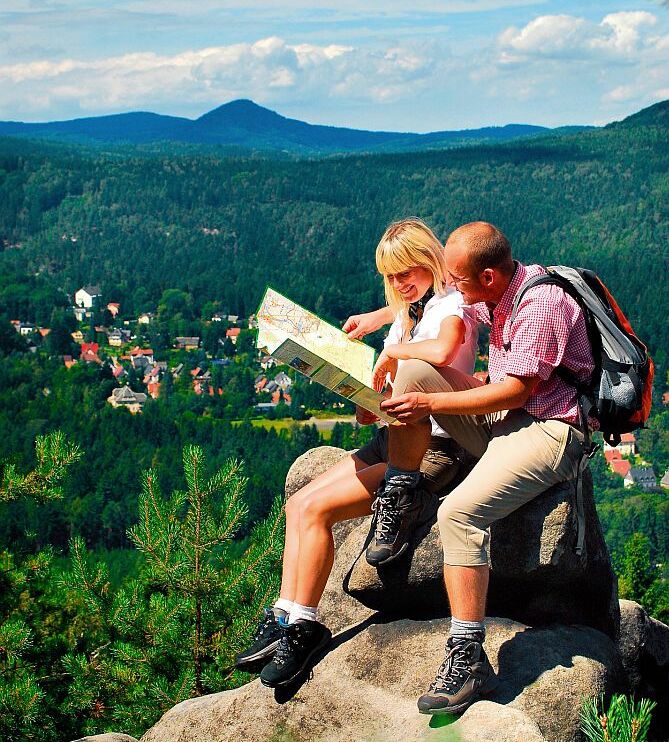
[(439, 465), (519, 455)]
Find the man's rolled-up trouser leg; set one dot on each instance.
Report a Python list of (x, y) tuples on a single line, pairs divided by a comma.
[(525, 457), (472, 432)]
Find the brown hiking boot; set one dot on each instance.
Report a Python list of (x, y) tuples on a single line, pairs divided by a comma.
[(464, 676)]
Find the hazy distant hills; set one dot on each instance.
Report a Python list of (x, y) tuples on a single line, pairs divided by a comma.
[(244, 124)]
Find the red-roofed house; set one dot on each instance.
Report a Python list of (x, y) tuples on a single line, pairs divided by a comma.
[(89, 348), (44, 331), (147, 352), (276, 397), (153, 388), (233, 334), (261, 384), (627, 445), (665, 398), (612, 454), (90, 357), (621, 467)]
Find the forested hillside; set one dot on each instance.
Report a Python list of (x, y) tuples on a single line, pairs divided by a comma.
[(137, 223)]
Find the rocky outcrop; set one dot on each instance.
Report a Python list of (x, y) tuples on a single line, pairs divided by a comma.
[(365, 688), (536, 575), (644, 650)]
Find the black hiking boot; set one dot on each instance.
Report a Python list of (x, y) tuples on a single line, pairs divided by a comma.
[(464, 676), (300, 643), (402, 513), (265, 641)]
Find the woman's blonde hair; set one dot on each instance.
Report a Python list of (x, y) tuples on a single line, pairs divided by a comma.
[(407, 244)]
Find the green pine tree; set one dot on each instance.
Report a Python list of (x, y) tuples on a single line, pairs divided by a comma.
[(172, 632), (23, 715)]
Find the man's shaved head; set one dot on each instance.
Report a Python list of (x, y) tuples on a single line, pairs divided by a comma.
[(484, 247)]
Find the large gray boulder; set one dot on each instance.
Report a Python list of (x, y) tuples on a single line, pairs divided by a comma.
[(365, 688), (644, 650), (536, 576)]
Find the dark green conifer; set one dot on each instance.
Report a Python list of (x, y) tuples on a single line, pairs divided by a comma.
[(172, 632)]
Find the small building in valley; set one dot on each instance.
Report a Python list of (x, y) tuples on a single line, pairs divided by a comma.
[(86, 296), (125, 397)]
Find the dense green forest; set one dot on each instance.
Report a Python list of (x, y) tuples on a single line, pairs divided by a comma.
[(90, 610), (134, 222)]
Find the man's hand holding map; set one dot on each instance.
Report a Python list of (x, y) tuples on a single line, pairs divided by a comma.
[(322, 352)]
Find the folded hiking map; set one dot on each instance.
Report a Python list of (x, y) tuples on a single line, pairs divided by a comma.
[(305, 342)]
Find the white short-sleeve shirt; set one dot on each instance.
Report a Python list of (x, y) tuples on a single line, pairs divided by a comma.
[(440, 306)]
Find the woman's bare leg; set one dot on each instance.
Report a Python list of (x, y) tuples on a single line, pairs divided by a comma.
[(348, 497), (343, 471)]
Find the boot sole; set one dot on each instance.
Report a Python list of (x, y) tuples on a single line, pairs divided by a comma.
[(485, 690), (262, 654), (305, 665), (405, 546)]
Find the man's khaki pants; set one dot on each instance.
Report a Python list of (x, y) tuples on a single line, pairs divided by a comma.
[(519, 457)]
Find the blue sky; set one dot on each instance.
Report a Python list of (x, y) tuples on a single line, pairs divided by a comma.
[(422, 66)]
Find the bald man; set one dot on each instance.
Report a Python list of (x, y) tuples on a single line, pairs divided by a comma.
[(523, 427)]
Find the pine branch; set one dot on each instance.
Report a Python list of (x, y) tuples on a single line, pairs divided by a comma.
[(54, 456)]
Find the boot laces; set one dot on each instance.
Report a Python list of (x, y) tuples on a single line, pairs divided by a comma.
[(388, 513), (454, 669), (290, 638), (266, 622)]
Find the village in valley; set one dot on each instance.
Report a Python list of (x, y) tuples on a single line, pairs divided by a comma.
[(121, 345)]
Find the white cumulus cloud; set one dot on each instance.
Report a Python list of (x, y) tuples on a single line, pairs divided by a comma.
[(617, 35), (264, 70)]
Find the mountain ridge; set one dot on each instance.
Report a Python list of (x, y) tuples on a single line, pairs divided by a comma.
[(244, 123)]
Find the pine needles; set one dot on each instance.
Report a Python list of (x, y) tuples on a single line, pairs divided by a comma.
[(624, 720), (173, 631)]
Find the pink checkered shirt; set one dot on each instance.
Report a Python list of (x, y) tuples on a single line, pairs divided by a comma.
[(548, 331)]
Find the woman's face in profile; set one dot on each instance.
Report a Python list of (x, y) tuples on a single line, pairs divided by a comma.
[(412, 283)]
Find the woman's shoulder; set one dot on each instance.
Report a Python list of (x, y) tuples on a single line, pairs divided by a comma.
[(448, 299)]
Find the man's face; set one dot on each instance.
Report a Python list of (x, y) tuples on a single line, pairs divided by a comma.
[(461, 276)]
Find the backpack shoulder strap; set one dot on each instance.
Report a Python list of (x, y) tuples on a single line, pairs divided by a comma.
[(547, 278), (544, 278)]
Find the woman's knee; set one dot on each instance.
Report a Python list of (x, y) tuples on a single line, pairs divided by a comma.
[(294, 504), (313, 509)]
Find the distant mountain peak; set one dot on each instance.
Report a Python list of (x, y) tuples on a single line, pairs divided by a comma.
[(242, 112)]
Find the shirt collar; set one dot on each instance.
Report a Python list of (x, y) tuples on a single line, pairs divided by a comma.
[(503, 308)]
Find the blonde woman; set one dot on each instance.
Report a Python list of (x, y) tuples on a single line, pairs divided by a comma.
[(430, 323)]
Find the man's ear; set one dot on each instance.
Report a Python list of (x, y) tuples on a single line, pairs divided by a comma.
[(487, 277)]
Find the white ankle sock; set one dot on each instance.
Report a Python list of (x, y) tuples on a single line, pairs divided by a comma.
[(467, 629), (282, 604), (303, 612)]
